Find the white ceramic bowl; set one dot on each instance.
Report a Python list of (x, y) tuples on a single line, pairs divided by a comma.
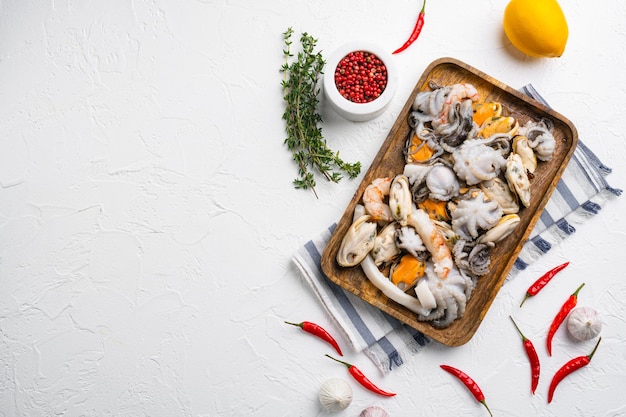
[(359, 112)]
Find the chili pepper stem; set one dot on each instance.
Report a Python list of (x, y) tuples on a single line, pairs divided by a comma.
[(483, 402), (348, 365), (575, 294), (594, 349), (526, 297), (518, 330)]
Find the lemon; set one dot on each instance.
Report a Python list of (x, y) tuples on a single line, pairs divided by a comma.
[(536, 27)]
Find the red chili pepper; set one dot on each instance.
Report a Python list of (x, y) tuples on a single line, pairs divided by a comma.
[(362, 379), (469, 383), (535, 366), (319, 331), (560, 316), (571, 366), (416, 30), (542, 281)]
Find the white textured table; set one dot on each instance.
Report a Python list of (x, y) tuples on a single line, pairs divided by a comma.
[(147, 216)]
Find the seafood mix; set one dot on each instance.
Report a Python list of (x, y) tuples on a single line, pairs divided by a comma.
[(425, 236)]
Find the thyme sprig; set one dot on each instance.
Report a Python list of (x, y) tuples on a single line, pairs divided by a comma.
[(302, 119)]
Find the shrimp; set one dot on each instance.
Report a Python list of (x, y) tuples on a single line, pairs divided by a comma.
[(462, 91), (374, 199), (434, 242), (458, 92)]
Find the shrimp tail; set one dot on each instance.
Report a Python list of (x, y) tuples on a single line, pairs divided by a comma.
[(434, 242), (374, 199)]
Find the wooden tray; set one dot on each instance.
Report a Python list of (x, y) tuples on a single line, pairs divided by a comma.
[(390, 161)]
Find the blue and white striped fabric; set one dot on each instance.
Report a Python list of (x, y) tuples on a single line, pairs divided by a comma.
[(579, 195)]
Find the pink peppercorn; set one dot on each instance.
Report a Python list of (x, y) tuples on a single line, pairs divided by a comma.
[(361, 77)]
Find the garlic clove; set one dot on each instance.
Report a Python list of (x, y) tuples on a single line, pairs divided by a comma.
[(584, 323), (335, 394), (374, 411)]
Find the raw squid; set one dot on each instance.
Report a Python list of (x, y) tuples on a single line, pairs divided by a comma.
[(381, 282)]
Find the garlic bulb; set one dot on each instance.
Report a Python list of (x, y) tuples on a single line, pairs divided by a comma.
[(374, 411), (584, 323), (335, 394)]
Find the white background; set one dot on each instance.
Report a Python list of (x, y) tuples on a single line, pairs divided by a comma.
[(147, 215)]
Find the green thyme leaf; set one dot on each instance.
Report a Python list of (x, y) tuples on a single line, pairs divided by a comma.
[(302, 120)]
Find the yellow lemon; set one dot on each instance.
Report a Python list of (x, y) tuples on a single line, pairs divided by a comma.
[(536, 27)]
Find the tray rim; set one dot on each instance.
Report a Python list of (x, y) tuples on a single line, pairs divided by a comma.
[(440, 334)]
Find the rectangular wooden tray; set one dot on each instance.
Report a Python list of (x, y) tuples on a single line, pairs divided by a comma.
[(389, 161)]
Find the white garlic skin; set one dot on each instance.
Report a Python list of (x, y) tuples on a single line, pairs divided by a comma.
[(335, 394), (374, 411), (584, 323)]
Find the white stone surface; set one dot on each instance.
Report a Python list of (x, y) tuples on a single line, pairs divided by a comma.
[(147, 215)]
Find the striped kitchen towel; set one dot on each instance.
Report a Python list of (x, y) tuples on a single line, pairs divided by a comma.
[(386, 341)]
